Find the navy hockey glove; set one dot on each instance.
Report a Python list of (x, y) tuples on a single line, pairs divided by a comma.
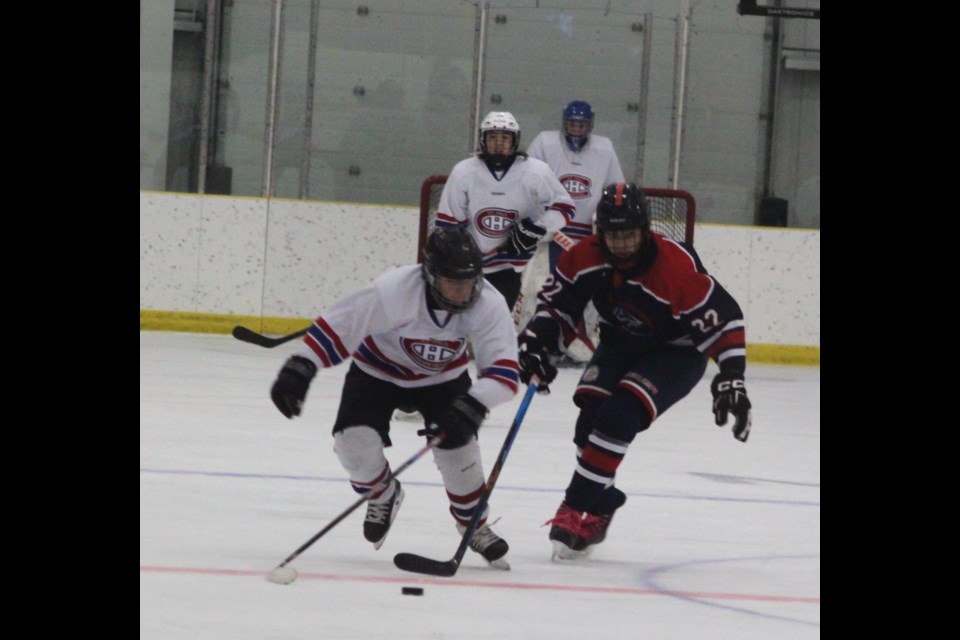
[(730, 396), (460, 422), (290, 387), (524, 237), (534, 361)]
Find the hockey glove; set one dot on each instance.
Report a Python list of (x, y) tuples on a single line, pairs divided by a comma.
[(524, 237), (534, 361), (290, 387), (730, 396), (460, 422)]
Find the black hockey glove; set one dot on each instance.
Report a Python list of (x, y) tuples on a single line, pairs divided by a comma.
[(730, 396), (524, 237), (534, 361), (460, 422), (290, 387)]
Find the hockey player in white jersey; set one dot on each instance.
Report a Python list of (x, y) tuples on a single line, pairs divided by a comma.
[(407, 333), (583, 163), (507, 200)]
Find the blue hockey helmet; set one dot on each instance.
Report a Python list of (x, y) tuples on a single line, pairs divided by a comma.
[(577, 124)]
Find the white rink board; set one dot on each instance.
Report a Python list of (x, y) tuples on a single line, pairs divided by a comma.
[(290, 258)]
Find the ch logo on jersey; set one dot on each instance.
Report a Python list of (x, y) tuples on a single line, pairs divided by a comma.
[(577, 186), (495, 223), (432, 354), (633, 320)]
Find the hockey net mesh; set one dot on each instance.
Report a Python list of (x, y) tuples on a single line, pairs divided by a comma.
[(672, 215)]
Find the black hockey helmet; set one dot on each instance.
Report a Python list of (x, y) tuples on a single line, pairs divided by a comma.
[(622, 207), (451, 252)]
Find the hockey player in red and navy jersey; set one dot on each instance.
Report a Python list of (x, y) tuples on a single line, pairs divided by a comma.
[(661, 317)]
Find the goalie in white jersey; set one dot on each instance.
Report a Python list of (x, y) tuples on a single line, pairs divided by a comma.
[(407, 333), (507, 200), (583, 163)]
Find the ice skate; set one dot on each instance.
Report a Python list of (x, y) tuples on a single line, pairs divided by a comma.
[(380, 516), (593, 527), (488, 544), (593, 530), (565, 533)]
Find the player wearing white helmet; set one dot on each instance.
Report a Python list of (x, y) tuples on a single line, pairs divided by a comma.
[(499, 139), (507, 200)]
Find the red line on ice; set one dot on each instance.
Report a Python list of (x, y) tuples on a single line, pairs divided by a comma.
[(408, 579)]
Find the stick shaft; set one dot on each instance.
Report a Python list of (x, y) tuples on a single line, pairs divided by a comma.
[(353, 507), (419, 564)]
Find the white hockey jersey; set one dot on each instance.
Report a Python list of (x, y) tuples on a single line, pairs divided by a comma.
[(583, 174), (490, 207), (393, 335)]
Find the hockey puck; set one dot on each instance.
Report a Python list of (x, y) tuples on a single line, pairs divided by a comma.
[(412, 591), (282, 575)]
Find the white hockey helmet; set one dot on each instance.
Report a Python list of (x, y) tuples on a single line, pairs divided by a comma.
[(499, 121)]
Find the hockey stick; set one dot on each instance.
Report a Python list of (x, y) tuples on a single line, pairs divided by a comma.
[(282, 574), (566, 243), (248, 335), (419, 564)]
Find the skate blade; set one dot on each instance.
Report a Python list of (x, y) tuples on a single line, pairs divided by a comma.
[(500, 563), (562, 552)]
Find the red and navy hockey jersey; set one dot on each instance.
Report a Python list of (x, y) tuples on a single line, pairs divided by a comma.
[(667, 296)]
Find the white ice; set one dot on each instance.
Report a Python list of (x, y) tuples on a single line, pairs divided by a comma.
[(718, 539)]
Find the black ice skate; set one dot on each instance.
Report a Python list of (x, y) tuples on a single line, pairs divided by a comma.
[(381, 515), (492, 547)]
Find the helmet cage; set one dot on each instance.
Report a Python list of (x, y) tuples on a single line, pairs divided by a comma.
[(577, 111)]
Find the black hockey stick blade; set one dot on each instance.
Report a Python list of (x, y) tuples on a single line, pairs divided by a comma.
[(248, 335), (418, 564), (448, 568)]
